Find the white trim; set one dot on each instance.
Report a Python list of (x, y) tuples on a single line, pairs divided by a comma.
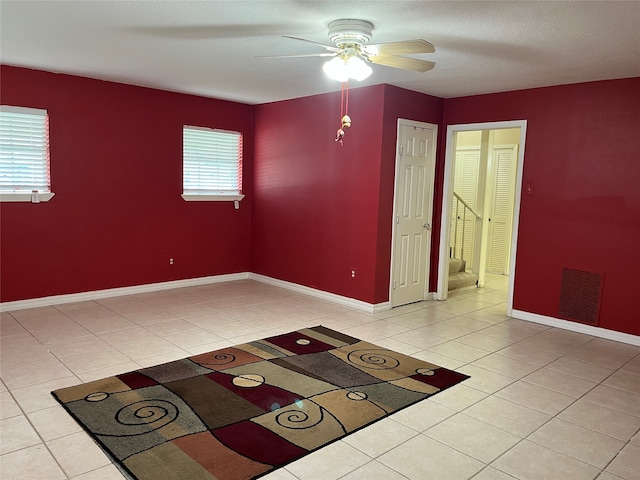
[(116, 292), (577, 327), (24, 110), (312, 292), (212, 198), (331, 297), (26, 197), (443, 266), (154, 287)]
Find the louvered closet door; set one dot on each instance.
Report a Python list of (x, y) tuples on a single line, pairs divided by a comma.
[(501, 213), (466, 185)]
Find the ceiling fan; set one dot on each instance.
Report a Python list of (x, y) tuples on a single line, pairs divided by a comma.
[(352, 51)]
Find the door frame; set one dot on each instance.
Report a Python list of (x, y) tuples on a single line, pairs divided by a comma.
[(411, 123), (447, 196)]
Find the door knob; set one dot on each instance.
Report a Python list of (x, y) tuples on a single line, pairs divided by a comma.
[(427, 226)]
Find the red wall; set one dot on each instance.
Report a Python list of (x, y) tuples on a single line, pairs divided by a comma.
[(322, 209), (116, 171), (582, 156), (315, 214)]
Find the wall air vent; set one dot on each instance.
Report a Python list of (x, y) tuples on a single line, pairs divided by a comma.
[(580, 295)]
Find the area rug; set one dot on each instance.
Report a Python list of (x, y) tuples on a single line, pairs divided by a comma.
[(240, 412)]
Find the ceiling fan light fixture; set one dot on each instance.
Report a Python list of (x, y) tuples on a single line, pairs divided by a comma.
[(342, 70), (358, 69), (336, 69)]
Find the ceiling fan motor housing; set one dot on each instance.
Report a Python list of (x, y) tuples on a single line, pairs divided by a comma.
[(350, 31)]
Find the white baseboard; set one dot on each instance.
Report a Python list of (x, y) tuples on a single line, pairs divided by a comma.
[(331, 297), (577, 327), (117, 292), (154, 287)]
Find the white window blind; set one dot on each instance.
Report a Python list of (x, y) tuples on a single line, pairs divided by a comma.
[(24, 150), (212, 161)]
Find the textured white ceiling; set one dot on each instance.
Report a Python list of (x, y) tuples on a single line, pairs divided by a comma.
[(209, 48)]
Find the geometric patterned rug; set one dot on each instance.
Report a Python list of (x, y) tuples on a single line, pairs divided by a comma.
[(240, 412)]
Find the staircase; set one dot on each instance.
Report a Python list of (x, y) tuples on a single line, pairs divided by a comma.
[(458, 276)]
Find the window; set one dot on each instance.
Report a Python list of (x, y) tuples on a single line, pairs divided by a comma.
[(211, 164), (24, 155)]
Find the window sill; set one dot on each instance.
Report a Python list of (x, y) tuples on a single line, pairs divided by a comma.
[(212, 198), (25, 197)]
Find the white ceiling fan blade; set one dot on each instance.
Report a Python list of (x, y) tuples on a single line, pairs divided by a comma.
[(327, 47), (405, 63), (399, 48)]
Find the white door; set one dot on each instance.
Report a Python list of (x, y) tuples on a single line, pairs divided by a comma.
[(503, 177), (415, 168)]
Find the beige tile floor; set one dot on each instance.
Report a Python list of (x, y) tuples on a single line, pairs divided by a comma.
[(541, 403)]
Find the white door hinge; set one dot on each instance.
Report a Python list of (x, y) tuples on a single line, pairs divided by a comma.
[(400, 150), (394, 284)]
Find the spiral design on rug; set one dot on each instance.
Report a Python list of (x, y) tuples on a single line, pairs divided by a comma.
[(219, 359), (146, 416), (373, 359), (297, 419)]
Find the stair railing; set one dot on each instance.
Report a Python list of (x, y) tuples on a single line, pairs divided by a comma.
[(460, 203)]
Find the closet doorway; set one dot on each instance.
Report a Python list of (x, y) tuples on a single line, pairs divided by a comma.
[(481, 203)]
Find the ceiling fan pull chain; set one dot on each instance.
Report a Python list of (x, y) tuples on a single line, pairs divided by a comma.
[(346, 107), (342, 101), (345, 120), (340, 132)]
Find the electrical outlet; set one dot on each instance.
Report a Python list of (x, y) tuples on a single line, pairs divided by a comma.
[(353, 273), (171, 261)]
